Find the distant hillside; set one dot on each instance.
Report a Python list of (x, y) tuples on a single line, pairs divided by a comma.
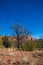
[(29, 38)]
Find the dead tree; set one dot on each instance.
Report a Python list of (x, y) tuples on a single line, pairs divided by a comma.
[(19, 32)]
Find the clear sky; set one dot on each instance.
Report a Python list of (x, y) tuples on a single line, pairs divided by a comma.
[(27, 12)]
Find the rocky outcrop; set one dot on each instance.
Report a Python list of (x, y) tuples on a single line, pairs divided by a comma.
[(13, 38)]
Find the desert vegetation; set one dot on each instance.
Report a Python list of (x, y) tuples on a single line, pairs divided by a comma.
[(27, 46), (21, 42)]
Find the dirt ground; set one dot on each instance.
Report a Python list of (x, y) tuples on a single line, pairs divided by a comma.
[(15, 57)]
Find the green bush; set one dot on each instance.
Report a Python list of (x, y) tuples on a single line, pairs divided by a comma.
[(5, 42), (35, 45), (29, 45), (40, 44), (1, 44), (32, 45), (12, 44), (24, 47)]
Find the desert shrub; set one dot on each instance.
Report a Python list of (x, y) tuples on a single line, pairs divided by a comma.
[(5, 42), (24, 47), (29, 45), (32, 45), (40, 43), (1, 44), (37, 44), (12, 44)]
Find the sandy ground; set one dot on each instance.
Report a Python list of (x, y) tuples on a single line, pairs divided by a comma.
[(15, 57)]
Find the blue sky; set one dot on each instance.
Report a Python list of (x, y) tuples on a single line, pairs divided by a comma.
[(27, 12)]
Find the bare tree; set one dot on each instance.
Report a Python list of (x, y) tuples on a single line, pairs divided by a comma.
[(19, 32), (41, 37)]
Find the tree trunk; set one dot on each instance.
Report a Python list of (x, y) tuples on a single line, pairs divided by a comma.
[(18, 44)]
